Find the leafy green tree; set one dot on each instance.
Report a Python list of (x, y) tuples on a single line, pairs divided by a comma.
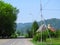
[(34, 28), (29, 33), (8, 16)]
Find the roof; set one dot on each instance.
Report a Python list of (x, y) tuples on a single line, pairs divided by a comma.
[(41, 28), (44, 27), (51, 28)]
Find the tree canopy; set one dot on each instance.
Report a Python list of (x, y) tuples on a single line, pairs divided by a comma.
[(8, 16), (34, 28)]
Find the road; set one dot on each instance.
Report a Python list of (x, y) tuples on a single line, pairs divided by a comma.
[(21, 41)]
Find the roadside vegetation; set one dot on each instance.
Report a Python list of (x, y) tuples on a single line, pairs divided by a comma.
[(8, 16), (54, 38), (48, 37), (31, 32)]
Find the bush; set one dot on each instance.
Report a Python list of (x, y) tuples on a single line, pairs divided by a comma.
[(46, 34), (29, 34), (14, 35), (40, 36), (57, 33), (19, 33), (26, 35)]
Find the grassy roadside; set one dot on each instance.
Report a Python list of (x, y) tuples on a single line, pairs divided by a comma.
[(55, 41)]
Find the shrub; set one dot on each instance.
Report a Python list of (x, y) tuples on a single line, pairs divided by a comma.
[(26, 35), (57, 33), (19, 33), (37, 37), (29, 34), (45, 34), (14, 35), (40, 36)]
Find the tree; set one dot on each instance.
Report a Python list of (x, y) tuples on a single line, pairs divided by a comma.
[(34, 27), (19, 33), (8, 16), (29, 33)]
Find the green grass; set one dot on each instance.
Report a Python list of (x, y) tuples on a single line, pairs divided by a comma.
[(55, 41)]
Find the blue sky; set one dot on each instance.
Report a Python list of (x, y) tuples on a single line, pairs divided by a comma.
[(30, 9)]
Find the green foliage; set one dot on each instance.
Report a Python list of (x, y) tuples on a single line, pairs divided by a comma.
[(26, 36), (8, 15), (40, 36), (14, 35), (29, 34), (19, 33), (37, 37), (57, 33), (52, 34), (55, 41), (34, 27), (44, 35)]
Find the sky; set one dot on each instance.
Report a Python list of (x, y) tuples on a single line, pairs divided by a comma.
[(29, 10)]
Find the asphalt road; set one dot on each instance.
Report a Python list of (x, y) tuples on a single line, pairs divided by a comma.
[(22, 41)]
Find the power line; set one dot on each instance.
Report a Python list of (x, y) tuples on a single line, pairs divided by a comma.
[(52, 9), (46, 3)]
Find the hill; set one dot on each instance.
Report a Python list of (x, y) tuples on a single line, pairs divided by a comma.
[(54, 22), (23, 27)]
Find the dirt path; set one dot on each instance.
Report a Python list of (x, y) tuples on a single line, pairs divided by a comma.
[(15, 42)]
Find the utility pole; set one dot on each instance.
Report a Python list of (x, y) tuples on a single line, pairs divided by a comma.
[(43, 21), (41, 18)]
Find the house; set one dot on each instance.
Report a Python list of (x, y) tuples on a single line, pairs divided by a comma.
[(51, 28), (44, 27)]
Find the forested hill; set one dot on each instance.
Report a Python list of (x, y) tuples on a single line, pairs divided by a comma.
[(54, 22)]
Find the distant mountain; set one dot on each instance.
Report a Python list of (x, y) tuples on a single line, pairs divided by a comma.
[(23, 27), (54, 22)]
